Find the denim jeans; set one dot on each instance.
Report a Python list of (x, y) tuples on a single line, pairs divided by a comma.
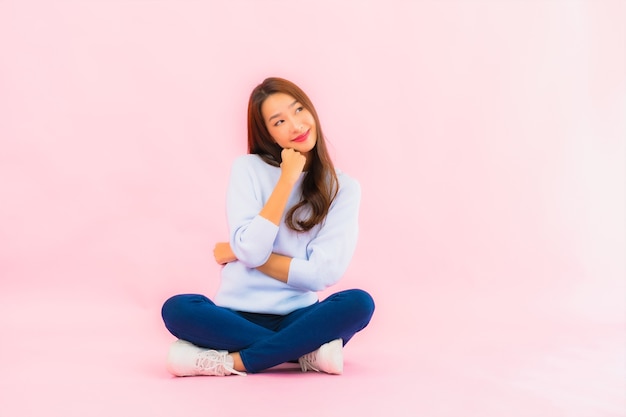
[(266, 340)]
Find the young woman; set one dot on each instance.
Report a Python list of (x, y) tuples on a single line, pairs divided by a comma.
[(293, 222)]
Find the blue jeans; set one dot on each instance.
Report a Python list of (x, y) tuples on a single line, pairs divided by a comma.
[(266, 340)]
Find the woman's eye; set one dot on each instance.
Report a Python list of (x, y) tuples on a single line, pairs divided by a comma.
[(299, 109), (278, 123)]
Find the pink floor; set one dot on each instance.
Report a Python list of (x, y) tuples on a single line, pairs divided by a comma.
[(108, 359)]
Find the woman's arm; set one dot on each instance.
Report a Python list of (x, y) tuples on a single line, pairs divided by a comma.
[(328, 254), (253, 220), (291, 168), (330, 251), (277, 266)]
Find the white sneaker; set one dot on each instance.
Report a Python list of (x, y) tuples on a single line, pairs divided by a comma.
[(187, 359), (328, 358)]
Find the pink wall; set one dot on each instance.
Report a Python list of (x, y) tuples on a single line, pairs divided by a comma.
[(488, 137)]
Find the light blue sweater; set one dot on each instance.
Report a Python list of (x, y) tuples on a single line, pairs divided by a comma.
[(320, 256)]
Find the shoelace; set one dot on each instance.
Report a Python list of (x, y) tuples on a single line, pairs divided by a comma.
[(307, 361), (215, 363)]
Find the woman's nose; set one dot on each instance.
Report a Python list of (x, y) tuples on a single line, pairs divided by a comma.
[(296, 126)]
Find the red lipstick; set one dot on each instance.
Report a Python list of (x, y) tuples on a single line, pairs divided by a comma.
[(302, 137)]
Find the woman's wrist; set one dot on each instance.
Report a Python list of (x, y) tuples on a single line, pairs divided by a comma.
[(287, 180)]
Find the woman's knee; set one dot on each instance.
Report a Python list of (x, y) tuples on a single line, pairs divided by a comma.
[(359, 302), (178, 304), (365, 301)]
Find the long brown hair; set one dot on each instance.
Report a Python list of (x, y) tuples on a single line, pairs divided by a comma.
[(320, 184)]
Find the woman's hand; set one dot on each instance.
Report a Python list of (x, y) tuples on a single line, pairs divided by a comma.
[(223, 253), (292, 165)]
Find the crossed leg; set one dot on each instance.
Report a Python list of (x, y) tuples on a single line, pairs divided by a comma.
[(260, 341)]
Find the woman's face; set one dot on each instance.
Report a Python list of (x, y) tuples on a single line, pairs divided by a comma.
[(289, 123)]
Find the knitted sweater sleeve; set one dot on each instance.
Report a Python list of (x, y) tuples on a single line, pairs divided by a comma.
[(252, 236), (329, 253)]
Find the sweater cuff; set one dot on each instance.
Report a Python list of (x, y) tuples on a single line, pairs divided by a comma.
[(254, 246), (297, 273), (302, 276), (261, 229)]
